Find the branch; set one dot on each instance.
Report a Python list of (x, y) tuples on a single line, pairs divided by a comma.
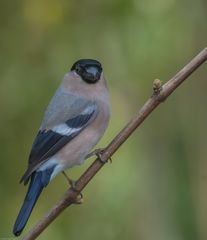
[(159, 95)]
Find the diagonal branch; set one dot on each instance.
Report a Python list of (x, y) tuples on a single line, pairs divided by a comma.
[(159, 95)]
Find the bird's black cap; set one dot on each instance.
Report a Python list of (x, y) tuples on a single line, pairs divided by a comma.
[(86, 62)]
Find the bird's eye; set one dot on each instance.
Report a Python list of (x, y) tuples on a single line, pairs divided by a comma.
[(78, 69)]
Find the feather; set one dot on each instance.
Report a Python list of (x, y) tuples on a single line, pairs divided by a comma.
[(48, 143), (39, 180)]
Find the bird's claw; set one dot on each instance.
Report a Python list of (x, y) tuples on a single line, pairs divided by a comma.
[(72, 183), (79, 198), (98, 152)]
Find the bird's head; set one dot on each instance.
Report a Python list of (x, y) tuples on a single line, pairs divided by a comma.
[(88, 69)]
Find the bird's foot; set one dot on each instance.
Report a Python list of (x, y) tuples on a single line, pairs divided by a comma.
[(72, 183), (79, 198), (98, 152)]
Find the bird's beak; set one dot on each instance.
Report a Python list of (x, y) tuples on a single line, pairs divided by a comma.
[(93, 73)]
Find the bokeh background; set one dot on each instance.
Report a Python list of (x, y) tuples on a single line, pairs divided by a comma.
[(156, 187)]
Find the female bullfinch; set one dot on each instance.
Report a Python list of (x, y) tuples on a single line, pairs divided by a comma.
[(75, 120)]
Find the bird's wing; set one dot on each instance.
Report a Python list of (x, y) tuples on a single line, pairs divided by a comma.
[(49, 141)]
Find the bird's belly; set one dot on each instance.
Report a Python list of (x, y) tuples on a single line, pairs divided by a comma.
[(74, 152)]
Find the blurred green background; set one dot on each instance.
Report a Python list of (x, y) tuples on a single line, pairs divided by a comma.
[(156, 186)]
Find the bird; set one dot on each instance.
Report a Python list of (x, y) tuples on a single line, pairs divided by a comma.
[(74, 121)]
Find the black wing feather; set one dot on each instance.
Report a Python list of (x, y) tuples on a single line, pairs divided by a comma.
[(48, 143)]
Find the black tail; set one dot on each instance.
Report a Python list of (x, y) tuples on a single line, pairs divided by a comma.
[(38, 181)]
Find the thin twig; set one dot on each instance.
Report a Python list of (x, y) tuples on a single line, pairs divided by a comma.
[(159, 95)]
